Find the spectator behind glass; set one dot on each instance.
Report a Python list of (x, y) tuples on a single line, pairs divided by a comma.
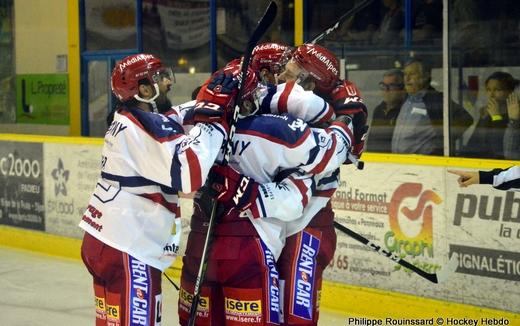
[(418, 127), (426, 21), (391, 24), (385, 113), (487, 139), (512, 134)]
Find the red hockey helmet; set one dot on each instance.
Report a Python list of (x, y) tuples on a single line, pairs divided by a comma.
[(250, 84), (270, 56), (320, 64), (127, 74)]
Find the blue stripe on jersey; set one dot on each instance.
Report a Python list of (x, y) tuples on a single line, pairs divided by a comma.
[(157, 125), (334, 177), (272, 286), (261, 203), (175, 170), (135, 182), (342, 133), (278, 128), (316, 117), (265, 106), (140, 295), (314, 151), (305, 270)]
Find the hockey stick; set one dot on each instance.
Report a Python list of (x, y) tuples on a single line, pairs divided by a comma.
[(262, 26), (349, 13), (438, 277), (172, 282)]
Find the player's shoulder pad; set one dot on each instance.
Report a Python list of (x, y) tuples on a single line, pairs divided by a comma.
[(156, 125), (277, 128)]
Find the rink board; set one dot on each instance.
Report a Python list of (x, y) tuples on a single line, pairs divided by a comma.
[(407, 204)]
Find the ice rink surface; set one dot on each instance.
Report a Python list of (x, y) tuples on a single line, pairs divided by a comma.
[(41, 290)]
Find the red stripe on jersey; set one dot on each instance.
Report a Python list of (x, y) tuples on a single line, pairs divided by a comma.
[(195, 169), (276, 140), (254, 210), (138, 124), (284, 97), (303, 190), (329, 113), (159, 199), (326, 159), (324, 193), (344, 127)]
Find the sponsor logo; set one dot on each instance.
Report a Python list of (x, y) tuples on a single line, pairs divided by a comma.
[(134, 59), (100, 308), (186, 298), (243, 311), (304, 280), (488, 208), (139, 292), (273, 286), (487, 262), (113, 314), (397, 241), (60, 176), (323, 58), (12, 165)]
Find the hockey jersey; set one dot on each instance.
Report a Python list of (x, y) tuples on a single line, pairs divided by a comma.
[(146, 160), (270, 147)]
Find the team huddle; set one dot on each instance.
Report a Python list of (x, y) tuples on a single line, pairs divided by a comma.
[(273, 234)]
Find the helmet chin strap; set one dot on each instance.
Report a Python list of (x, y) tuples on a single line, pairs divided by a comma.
[(151, 100)]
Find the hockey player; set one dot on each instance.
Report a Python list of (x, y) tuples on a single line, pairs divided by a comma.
[(146, 160), (268, 60), (241, 283), (502, 179), (313, 237)]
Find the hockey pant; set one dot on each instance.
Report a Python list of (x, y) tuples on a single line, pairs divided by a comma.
[(127, 291), (240, 286), (305, 255)]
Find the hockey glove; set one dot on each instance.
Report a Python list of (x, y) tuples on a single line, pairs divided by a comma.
[(346, 100), (231, 188), (215, 97)]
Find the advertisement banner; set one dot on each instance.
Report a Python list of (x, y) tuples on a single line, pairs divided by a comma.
[(71, 172), (42, 99), (401, 208), (484, 230), (21, 185)]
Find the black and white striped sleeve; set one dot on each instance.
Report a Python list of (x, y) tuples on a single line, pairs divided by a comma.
[(503, 179)]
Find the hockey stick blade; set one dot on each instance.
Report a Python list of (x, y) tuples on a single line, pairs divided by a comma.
[(438, 277), (262, 26)]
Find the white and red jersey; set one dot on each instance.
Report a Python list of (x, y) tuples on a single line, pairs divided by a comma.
[(291, 98), (273, 147), (147, 159)]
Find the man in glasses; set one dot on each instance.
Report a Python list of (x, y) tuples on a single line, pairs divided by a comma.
[(385, 114), (419, 124)]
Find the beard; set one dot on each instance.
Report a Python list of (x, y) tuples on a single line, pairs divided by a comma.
[(163, 103)]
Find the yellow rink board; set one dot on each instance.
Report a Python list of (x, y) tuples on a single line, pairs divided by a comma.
[(338, 297), (335, 296)]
